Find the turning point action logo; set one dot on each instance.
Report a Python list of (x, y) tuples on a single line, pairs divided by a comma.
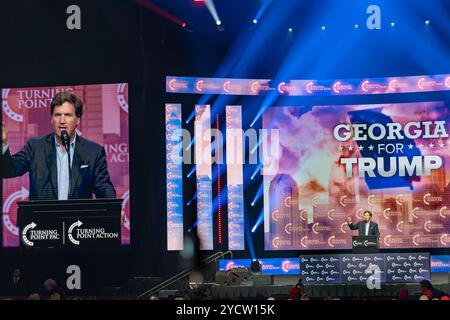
[(92, 233)]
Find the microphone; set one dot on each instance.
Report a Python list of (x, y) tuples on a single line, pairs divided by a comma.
[(66, 143), (65, 139)]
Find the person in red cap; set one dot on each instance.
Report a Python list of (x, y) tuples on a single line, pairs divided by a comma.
[(403, 294), (427, 293)]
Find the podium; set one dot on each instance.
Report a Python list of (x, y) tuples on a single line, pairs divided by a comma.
[(365, 244), (83, 223)]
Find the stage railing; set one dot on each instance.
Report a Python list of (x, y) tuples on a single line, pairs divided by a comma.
[(185, 273)]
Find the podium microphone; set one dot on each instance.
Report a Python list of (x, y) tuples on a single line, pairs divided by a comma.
[(65, 140), (66, 143)]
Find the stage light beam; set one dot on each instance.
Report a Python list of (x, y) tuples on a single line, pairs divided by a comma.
[(259, 221), (257, 196), (262, 10), (258, 168), (191, 172), (212, 9), (192, 200)]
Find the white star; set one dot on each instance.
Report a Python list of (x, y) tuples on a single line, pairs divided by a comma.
[(350, 148), (371, 147), (431, 145), (410, 146), (420, 146), (361, 148), (442, 145), (340, 148)]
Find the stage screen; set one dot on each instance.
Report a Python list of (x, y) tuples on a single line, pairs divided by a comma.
[(336, 161), (26, 113)]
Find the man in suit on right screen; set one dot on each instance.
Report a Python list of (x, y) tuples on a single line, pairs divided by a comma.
[(365, 227)]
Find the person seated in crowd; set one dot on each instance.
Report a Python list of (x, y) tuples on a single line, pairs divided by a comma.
[(55, 296), (34, 296), (304, 297), (403, 294), (300, 286), (51, 287), (435, 293), (427, 293), (293, 294)]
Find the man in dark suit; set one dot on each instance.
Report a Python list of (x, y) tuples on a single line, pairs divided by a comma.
[(47, 160), (16, 284), (365, 227)]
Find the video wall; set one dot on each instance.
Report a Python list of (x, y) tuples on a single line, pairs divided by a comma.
[(320, 163), (338, 161), (26, 113)]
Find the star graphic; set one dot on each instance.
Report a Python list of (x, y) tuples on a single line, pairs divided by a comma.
[(340, 148), (371, 147), (410, 146), (442, 145), (431, 145), (350, 148), (361, 148)]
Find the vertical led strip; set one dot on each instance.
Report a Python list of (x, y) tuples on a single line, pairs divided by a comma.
[(235, 178), (204, 176), (219, 190), (174, 176)]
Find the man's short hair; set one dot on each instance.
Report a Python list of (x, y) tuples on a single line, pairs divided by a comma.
[(64, 96), (369, 212)]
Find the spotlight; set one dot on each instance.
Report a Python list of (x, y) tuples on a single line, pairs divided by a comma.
[(427, 22), (392, 24), (323, 27), (356, 26), (218, 22), (184, 25), (255, 21), (255, 266), (290, 29)]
